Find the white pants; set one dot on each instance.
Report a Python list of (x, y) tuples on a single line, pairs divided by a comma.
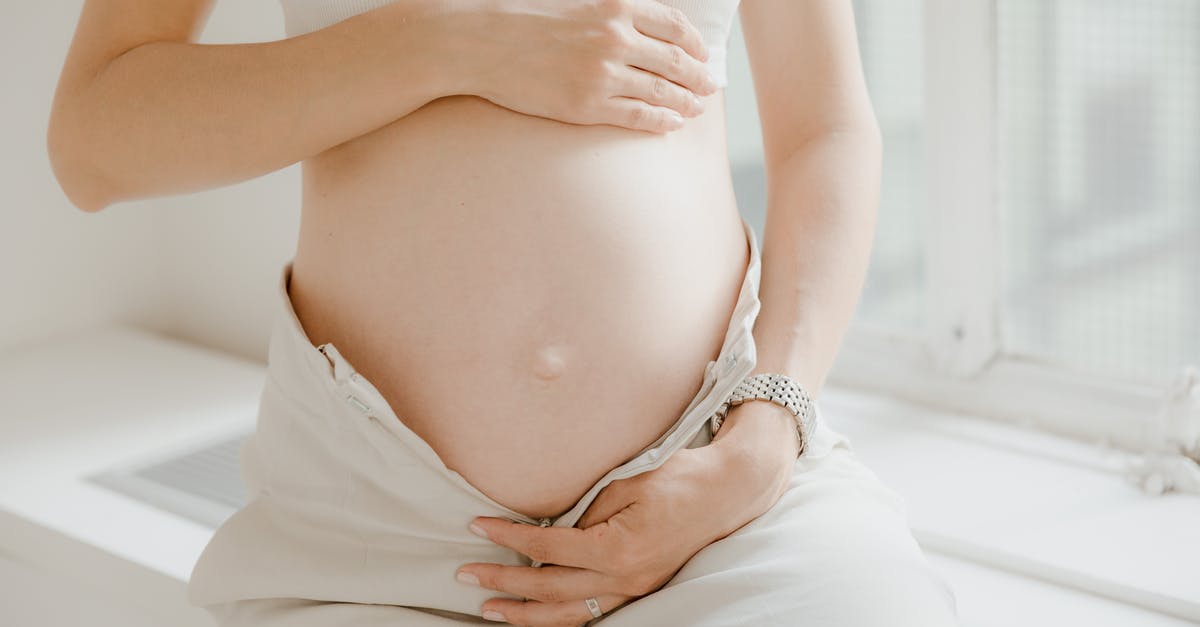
[(354, 519)]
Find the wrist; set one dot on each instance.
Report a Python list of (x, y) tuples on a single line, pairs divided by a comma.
[(759, 437), (463, 31), (779, 390), (434, 36)]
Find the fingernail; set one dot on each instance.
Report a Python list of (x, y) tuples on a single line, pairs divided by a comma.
[(477, 530), (675, 120), (493, 615), (712, 82), (466, 577), (698, 104)]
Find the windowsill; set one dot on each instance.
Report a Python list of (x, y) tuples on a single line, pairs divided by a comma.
[(1028, 504), (1008, 515)]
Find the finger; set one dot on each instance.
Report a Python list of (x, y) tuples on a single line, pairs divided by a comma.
[(670, 24), (541, 614), (656, 90), (641, 115), (548, 583), (671, 62), (564, 546), (608, 503)]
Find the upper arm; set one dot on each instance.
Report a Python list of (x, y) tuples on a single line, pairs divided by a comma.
[(107, 29), (807, 72)]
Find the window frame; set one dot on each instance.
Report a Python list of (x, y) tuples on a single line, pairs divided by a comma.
[(959, 361)]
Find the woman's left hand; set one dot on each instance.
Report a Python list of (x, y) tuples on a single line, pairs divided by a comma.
[(639, 531)]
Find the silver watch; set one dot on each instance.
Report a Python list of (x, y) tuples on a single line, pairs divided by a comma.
[(777, 388)]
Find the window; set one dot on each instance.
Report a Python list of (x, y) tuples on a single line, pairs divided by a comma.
[(1038, 251), (889, 34), (1100, 146)]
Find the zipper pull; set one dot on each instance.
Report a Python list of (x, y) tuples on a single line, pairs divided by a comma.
[(542, 522)]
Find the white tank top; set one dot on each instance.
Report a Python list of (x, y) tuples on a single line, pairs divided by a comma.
[(713, 18)]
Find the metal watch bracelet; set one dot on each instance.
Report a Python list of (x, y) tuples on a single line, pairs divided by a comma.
[(777, 388)]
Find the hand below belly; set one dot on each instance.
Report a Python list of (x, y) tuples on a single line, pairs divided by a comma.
[(535, 300)]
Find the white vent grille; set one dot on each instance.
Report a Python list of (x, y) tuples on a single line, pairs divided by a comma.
[(203, 484)]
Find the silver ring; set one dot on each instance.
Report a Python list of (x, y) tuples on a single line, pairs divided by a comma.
[(593, 607)]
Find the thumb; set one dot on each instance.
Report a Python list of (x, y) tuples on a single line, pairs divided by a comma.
[(608, 503)]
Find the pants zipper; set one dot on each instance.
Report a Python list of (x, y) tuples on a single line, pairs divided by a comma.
[(710, 409), (541, 522), (356, 381)]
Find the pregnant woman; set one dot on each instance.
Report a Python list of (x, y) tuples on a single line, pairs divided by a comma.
[(519, 356)]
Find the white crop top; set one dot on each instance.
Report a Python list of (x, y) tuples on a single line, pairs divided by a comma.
[(713, 18)]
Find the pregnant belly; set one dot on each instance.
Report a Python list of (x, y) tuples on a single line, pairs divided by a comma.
[(536, 300)]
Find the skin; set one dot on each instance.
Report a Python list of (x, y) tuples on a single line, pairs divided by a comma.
[(141, 110), (599, 265), (823, 155)]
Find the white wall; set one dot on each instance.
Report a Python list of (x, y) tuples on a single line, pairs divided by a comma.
[(741, 107), (60, 269), (200, 267), (227, 245)]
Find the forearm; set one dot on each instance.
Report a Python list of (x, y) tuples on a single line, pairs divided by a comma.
[(822, 206), (822, 201), (170, 117)]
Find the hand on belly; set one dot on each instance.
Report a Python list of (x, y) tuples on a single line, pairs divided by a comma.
[(633, 538)]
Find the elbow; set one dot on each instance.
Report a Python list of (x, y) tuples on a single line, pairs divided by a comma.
[(75, 170), (858, 132), (861, 127), (84, 197), (870, 139), (862, 135), (874, 138), (864, 131), (874, 134)]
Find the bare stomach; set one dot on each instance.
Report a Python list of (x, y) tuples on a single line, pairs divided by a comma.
[(536, 300)]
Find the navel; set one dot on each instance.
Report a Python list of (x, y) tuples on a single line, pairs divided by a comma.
[(548, 362)]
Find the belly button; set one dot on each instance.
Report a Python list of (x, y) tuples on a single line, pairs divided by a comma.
[(548, 363)]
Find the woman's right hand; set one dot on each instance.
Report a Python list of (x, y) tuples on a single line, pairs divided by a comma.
[(637, 64)]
